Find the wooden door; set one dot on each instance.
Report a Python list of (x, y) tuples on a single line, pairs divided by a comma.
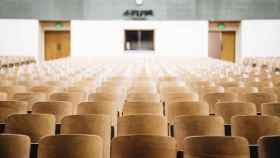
[(215, 45), (228, 46), (57, 44)]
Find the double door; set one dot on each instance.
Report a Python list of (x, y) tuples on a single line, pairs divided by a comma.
[(222, 45), (57, 44)]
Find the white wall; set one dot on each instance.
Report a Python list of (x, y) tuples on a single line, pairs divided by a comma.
[(19, 37), (184, 38), (260, 38)]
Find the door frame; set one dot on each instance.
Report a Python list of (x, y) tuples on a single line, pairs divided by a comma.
[(46, 26), (230, 26)]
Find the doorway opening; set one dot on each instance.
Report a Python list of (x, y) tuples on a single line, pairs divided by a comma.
[(139, 40), (56, 39), (223, 40)]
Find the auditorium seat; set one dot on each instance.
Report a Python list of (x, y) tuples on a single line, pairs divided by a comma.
[(143, 146), (167, 90), (45, 89), (241, 90), (230, 109), (13, 89), (114, 90), (59, 109), (258, 98), (148, 97), (29, 98), (14, 146), (91, 107), (89, 124), (271, 109), (71, 146), (74, 98), (213, 98), (254, 127), (172, 86), (210, 89), (227, 83), (274, 90), (56, 83), (100, 108), (117, 98), (143, 89), (110, 95), (142, 107), (75, 89), (190, 108), (35, 126), (142, 124), (181, 97), (186, 126), (216, 147), (8, 108), (269, 147)]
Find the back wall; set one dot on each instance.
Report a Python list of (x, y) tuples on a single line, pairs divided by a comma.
[(187, 38)]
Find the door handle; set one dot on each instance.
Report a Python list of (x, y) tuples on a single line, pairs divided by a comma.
[(58, 47)]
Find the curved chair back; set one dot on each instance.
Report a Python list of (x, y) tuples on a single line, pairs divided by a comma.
[(144, 146), (181, 97), (142, 124), (268, 147), (103, 108), (8, 108), (213, 98), (258, 98), (216, 147), (29, 98), (254, 127), (141, 107), (71, 146), (35, 126), (11, 90), (176, 109), (148, 97), (14, 146), (230, 109), (74, 98), (186, 126), (59, 109), (89, 124), (271, 109)]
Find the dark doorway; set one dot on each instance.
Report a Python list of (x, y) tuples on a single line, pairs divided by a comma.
[(136, 40)]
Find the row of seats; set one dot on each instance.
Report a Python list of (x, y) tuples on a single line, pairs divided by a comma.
[(11, 61), (37, 126), (271, 62), (148, 146), (76, 97)]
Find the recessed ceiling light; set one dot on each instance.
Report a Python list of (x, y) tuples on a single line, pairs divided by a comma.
[(139, 2)]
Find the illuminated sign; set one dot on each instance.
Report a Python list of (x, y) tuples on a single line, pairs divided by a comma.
[(58, 25), (221, 26)]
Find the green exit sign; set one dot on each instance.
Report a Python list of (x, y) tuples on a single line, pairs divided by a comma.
[(221, 26), (58, 25)]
